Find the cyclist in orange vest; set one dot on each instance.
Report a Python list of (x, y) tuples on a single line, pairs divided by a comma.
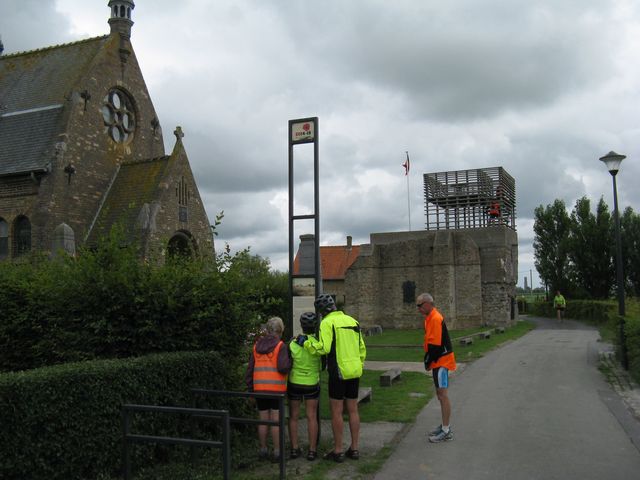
[(439, 359), (269, 364)]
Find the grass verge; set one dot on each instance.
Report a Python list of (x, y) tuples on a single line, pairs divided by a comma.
[(463, 353)]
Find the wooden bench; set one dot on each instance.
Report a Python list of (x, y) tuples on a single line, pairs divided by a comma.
[(466, 341), (499, 329), (485, 335), (387, 378), (364, 394)]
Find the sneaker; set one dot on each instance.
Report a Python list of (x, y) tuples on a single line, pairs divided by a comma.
[(435, 431), (295, 453), (263, 454), (441, 437)]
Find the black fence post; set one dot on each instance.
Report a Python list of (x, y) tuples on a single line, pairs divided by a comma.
[(281, 420), (226, 446), (126, 461)]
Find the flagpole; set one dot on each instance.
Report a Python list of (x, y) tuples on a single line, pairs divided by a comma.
[(408, 195)]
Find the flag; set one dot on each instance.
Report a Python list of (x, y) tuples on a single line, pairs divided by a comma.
[(406, 165)]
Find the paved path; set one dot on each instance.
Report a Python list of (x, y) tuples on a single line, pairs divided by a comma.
[(537, 408)]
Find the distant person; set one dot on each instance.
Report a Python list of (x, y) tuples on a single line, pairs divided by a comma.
[(304, 386), (440, 360), (267, 371), (559, 303), (341, 340)]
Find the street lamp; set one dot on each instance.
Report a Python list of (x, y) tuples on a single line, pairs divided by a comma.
[(612, 160)]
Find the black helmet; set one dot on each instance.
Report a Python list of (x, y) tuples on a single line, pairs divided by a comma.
[(308, 321), (324, 303)]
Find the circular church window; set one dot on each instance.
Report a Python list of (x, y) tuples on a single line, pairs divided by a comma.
[(118, 115)]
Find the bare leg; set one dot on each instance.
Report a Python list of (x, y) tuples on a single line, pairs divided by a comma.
[(312, 423), (294, 411), (274, 415), (445, 405), (337, 424), (354, 421), (263, 429)]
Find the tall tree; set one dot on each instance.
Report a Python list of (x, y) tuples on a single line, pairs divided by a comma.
[(591, 248), (550, 245), (630, 233)]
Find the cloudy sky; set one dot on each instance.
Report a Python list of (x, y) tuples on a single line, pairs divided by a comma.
[(542, 88)]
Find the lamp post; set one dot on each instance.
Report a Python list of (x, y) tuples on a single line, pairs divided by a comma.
[(612, 161)]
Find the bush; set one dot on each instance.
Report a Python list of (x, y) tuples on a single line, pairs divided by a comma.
[(108, 304), (632, 333), (64, 422), (593, 311)]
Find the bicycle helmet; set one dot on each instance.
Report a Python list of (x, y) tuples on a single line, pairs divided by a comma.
[(308, 322), (324, 303)]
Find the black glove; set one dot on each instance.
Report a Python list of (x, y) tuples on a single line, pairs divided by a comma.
[(300, 339)]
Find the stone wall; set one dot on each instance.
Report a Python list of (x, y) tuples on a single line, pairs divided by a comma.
[(470, 273)]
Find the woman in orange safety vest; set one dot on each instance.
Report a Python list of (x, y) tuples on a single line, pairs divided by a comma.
[(267, 370)]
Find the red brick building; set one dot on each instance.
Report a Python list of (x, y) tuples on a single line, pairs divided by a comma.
[(81, 149)]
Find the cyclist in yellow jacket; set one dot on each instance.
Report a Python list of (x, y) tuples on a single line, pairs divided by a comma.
[(341, 340), (304, 386)]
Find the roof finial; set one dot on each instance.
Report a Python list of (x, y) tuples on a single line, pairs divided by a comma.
[(178, 133), (120, 20)]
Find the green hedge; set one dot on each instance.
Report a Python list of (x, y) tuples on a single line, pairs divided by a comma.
[(108, 304), (632, 333), (64, 421), (594, 311)]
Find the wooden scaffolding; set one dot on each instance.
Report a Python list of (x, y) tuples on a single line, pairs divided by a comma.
[(477, 198)]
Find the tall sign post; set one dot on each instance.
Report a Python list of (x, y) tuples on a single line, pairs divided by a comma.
[(306, 285)]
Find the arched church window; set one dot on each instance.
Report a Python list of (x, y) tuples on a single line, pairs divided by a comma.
[(22, 236), (119, 117), (180, 246), (4, 239)]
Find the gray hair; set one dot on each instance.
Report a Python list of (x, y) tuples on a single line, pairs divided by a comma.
[(425, 297), (275, 325)]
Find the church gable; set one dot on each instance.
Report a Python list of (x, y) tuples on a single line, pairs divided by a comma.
[(133, 191)]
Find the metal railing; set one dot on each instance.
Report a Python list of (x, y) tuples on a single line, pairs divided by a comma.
[(129, 438), (252, 421)]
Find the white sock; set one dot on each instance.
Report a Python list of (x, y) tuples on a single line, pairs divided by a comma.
[(445, 428)]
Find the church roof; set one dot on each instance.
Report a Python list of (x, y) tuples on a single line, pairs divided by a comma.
[(34, 86), (135, 185), (25, 138)]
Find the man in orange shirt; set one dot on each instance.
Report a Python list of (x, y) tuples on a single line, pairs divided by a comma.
[(439, 359)]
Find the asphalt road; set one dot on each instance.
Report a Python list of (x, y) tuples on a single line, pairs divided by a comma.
[(537, 408)]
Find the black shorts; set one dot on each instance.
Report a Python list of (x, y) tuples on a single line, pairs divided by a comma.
[(302, 392), (340, 389), (267, 404)]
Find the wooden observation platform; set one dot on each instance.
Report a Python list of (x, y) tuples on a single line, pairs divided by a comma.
[(477, 198)]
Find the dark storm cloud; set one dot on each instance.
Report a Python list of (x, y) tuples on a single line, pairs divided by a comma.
[(31, 24)]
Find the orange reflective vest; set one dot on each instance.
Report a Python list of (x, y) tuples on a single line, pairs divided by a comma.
[(265, 371)]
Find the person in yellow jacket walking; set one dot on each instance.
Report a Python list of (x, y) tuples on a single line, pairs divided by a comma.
[(304, 385), (341, 340), (266, 372)]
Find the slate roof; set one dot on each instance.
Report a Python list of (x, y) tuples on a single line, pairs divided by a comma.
[(135, 184), (334, 261), (32, 81), (25, 140)]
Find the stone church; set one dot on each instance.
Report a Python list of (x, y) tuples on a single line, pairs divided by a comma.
[(81, 150)]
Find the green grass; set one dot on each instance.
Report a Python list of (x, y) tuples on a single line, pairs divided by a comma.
[(463, 353), (389, 404)]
